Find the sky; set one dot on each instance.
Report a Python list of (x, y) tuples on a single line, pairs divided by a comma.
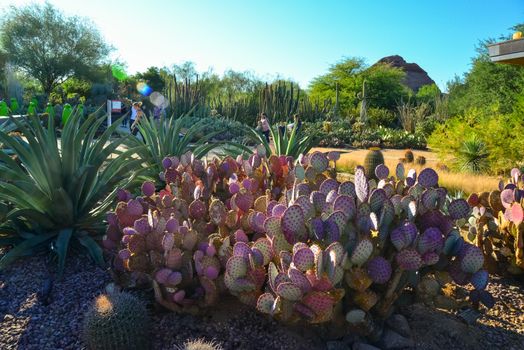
[(295, 39)]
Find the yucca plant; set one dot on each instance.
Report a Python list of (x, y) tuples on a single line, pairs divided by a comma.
[(473, 155), (285, 143), (165, 138), (60, 189)]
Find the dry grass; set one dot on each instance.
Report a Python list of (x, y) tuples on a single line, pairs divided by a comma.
[(454, 182)]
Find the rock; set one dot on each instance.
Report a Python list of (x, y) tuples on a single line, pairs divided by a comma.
[(393, 340), (399, 324), (363, 346), (444, 302), (416, 77), (336, 345)]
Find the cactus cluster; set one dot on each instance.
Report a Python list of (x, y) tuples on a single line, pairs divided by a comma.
[(284, 236), (496, 224)]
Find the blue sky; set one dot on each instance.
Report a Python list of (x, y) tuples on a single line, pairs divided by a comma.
[(296, 39)]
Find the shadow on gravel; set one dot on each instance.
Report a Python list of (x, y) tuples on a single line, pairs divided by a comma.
[(26, 323), (234, 326)]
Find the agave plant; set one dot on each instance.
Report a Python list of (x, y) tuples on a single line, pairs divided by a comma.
[(285, 144), (165, 138), (473, 156), (60, 189)]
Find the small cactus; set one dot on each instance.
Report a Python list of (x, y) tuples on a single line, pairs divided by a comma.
[(373, 159), (200, 344), (421, 160), (408, 155), (117, 321)]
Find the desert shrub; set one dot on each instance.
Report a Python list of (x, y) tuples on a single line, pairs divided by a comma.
[(394, 138), (335, 134), (410, 114), (381, 117), (501, 135)]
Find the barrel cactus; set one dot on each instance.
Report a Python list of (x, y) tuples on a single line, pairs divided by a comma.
[(373, 159), (117, 321), (408, 156), (200, 344)]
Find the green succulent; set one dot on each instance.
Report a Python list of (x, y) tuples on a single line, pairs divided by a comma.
[(117, 321), (166, 138), (285, 143), (473, 156), (60, 189)]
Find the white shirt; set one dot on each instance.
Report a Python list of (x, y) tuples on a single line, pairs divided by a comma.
[(133, 113)]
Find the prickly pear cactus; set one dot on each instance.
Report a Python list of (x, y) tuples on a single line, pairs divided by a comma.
[(496, 225), (286, 237)]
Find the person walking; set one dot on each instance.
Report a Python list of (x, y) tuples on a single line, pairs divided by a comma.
[(136, 115), (264, 125)]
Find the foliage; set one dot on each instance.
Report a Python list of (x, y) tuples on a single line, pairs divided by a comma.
[(394, 138), (488, 85), (337, 133), (345, 133), (472, 156), (60, 194), (286, 143), (381, 117), (411, 114), (167, 138), (154, 77), (49, 46), (384, 85), (489, 127), (428, 93)]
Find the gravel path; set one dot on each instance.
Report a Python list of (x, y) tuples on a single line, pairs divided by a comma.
[(26, 323)]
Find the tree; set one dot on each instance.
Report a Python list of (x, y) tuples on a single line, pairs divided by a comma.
[(428, 93), (153, 77), (384, 85), (487, 85), (49, 46), (185, 70)]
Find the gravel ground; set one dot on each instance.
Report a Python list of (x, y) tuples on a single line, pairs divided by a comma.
[(26, 323)]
